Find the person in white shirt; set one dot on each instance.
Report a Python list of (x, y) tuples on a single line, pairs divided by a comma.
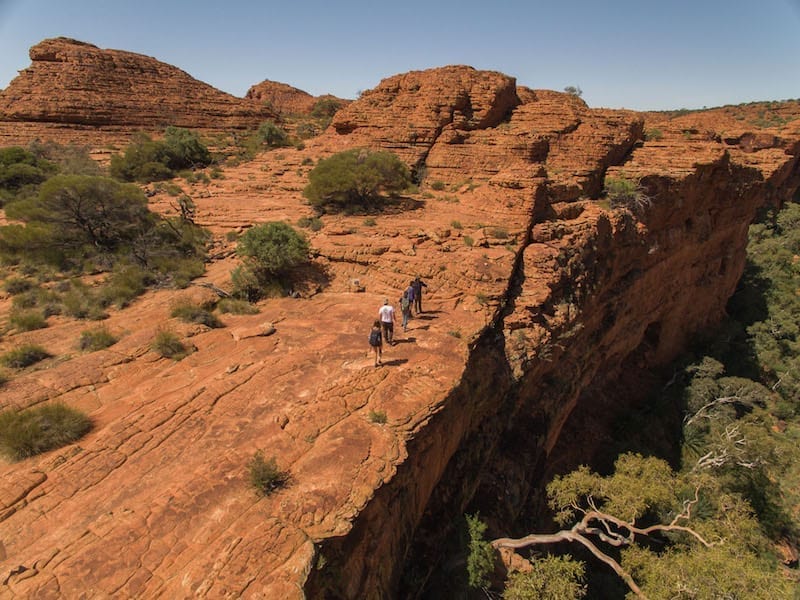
[(386, 316)]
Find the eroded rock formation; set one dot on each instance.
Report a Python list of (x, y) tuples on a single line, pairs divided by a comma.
[(286, 99), (72, 85), (539, 290)]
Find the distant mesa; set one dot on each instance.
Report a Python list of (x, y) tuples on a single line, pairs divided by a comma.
[(76, 83)]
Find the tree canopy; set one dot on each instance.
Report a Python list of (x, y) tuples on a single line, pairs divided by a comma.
[(356, 176)]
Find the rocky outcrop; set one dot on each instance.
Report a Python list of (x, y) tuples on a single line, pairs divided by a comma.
[(539, 292), (75, 83), (287, 100)]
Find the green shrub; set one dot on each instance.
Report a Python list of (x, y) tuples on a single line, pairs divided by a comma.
[(325, 108), (355, 177), (264, 474), (468, 240), (312, 223), (17, 285), (20, 168), (35, 430), (626, 193), (437, 185), (191, 313), (148, 160), (273, 248), (500, 233), (96, 339), (377, 416), (272, 136), (24, 356), (481, 557), (456, 225), (370, 222), (236, 307), (169, 345), (27, 320)]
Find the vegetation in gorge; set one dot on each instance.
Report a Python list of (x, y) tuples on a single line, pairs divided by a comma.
[(711, 526)]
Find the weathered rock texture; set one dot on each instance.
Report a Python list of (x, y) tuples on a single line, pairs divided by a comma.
[(285, 99), (538, 291), (72, 84)]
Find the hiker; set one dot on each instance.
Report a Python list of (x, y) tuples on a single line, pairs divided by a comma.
[(418, 284), (376, 341), (386, 316), (411, 293), (405, 309)]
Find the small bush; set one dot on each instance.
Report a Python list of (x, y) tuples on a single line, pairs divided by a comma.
[(468, 240), (96, 339), (500, 233), (627, 194), (24, 356), (191, 313), (456, 225), (355, 177), (27, 320), (312, 223), (168, 345), (17, 285), (30, 432), (236, 307), (265, 476), (437, 186), (377, 416), (370, 222), (273, 248)]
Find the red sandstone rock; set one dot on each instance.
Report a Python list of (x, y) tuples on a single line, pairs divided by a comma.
[(551, 297), (285, 99), (76, 83)]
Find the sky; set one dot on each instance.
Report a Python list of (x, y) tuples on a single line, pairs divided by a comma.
[(637, 54)]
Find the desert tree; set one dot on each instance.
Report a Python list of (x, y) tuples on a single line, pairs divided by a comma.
[(658, 531)]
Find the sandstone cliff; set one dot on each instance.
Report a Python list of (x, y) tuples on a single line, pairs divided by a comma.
[(539, 291), (72, 85)]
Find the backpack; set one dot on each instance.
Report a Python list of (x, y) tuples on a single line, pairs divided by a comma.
[(405, 304), (375, 337)]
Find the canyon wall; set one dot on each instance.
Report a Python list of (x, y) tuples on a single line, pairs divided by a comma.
[(539, 290)]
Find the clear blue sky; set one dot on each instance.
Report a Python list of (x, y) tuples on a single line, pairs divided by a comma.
[(640, 54)]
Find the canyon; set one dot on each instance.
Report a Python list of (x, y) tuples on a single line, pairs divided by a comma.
[(542, 295)]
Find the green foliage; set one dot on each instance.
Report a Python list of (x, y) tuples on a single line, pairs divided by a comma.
[(77, 216), (638, 485), (377, 416), (192, 313), (481, 557), (574, 90), (146, 159), (23, 356), (27, 320), (20, 168), (627, 194), (235, 306), (35, 430), (312, 223), (355, 176), (550, 578), (272, 136), (265, 477), (17, 285), (325, 108), (168, 345), (96, 339), (272, 249)]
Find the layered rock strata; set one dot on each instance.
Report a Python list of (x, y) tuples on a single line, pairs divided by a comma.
[(76, 85), (539, 289)]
